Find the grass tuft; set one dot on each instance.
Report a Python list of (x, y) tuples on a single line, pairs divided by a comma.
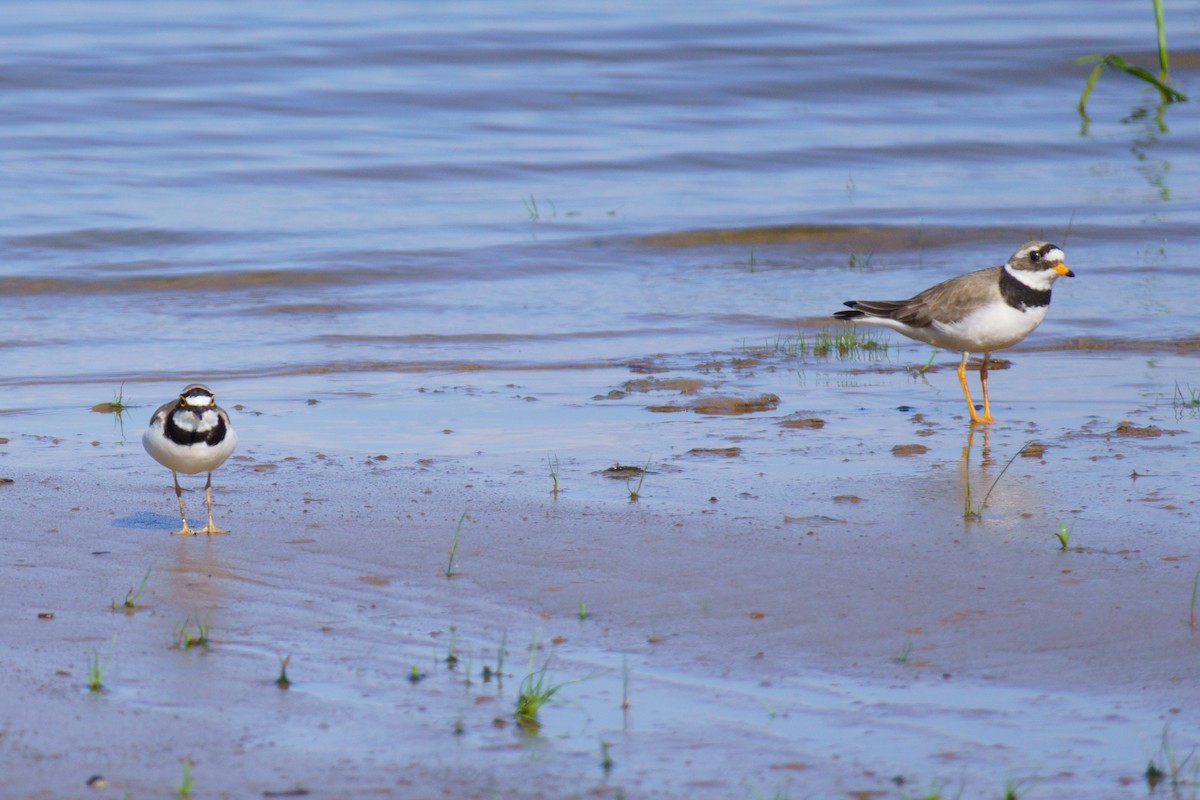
[(1174, 768), (186, 639), (849, 343), (843, 342), (535, 691), (115, 406)]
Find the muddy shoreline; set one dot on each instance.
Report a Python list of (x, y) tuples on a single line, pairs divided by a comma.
[(832, 628)]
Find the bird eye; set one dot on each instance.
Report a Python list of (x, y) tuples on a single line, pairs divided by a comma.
[(1035, 256)]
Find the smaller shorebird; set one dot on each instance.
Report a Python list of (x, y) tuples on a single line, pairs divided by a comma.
[(191, 435), (980, 312)]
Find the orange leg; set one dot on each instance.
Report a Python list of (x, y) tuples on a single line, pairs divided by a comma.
[(185, 530), (987, 408), (210, 529), (962, 381)]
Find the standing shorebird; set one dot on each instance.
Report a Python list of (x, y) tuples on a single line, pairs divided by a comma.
[(191, 435), (980, 312)]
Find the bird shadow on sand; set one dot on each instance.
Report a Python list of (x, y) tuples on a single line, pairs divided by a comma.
[(146, 521)]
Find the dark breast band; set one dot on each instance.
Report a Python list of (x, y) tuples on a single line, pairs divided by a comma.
[(211, 437), (1020, 296)]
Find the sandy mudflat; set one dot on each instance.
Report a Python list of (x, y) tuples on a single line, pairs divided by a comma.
[(814, 632)]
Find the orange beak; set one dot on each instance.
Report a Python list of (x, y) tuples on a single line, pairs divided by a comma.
[(1062, 269)]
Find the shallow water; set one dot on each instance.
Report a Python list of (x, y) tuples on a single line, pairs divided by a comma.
[(452, 235)]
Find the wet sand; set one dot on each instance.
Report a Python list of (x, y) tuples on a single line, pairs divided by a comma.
[(422, 252), (801, 610)]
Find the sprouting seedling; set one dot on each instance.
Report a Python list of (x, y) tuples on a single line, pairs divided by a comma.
[(935, 792), (488, 672), (184, 789), (1161, 82), (970, 513), (554, 472), (531, 207), (903, 656), (624, 684), (96, 668), (922, 370), (1063, 535), (415, 675), (606, 762), (583, 612), (283, 682), (1153, 775), (859, 260), (636, 492), (1173, 766), (98, 665), (450, 570), (186, 639), (1192, 607), (452, 648), (1185, 402), (132, 595)]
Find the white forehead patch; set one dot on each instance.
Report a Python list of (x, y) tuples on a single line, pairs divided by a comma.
[(198, 400), (1054, 256)]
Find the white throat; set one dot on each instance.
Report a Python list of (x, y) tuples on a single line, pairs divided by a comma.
[(1040, 281)]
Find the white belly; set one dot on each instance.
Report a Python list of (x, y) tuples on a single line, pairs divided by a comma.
[(994, 327), (191, 459)]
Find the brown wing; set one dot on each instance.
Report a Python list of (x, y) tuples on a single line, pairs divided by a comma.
[(162, 411), (948, 301)]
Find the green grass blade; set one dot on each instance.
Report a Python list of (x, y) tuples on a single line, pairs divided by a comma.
[(1001, 475), (1087, 87), (1169, 95), (1164, 69)]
